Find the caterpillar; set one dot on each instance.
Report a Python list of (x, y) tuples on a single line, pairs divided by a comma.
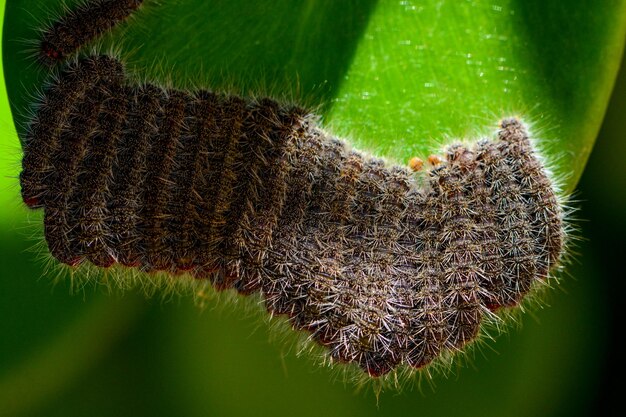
[(381, 268), (82, 25)]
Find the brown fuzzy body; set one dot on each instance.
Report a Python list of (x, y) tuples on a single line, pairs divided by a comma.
[(82, 25), (251, 194)]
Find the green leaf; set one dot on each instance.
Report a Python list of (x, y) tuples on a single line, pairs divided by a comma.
[(398, 78), (427, 70)]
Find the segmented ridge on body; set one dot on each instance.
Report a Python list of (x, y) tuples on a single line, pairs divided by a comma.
[(161, 161), (540, 196), (79, 26), (105, 75), (130, 172), (461, 246), (53, 112), (381, 268), (92, 193), (182, 211), (421, 306)]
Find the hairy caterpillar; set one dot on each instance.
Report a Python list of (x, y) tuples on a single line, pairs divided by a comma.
[(82, 25), (380, 268)]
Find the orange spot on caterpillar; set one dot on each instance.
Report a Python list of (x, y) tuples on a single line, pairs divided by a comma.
[(434, 160), (416, 164)]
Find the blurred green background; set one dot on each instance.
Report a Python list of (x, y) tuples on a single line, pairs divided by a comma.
[(99, 354)]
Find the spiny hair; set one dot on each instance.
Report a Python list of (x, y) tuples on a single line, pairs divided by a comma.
[(385, 269), (382, 268), (80, 25)]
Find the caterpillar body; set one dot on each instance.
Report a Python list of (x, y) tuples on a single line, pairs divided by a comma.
[(82, 25), (381, 268)]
